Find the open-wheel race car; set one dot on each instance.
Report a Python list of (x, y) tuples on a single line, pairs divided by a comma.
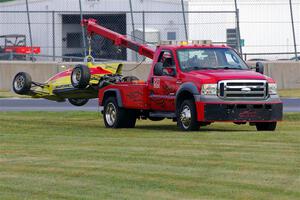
[(77, 85)]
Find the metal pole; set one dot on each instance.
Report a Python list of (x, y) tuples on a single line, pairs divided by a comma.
[(132, 23), (238, 27), (144, 28), (82, 29), (29, 28), (184, 20), (293, 29), (132, 20), (53, 35)]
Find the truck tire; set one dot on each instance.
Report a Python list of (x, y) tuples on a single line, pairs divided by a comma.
[(266, 126), (80, 76), (78, 102), (187, 116), (117, 117), (22, 83)]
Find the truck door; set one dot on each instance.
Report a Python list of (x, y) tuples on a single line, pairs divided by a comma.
[(163, 88)]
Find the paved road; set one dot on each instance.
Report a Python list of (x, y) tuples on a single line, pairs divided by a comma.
[(12, 104), (289, 105)]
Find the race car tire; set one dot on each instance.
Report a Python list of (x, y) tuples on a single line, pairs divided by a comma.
[(80, 76), (22, 83), (187, 116), (117, 117), (266, 126), (78, 102)]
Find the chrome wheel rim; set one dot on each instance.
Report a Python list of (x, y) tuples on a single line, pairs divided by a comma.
[(186, 116), (76, 76), (111, 114), (19, 82)]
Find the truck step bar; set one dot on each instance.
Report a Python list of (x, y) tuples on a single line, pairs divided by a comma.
[(163, 114)]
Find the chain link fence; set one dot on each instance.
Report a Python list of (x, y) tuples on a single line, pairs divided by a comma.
[(265, 27)]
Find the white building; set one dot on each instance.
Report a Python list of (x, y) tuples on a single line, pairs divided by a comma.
[(265, 24), (113, 14)]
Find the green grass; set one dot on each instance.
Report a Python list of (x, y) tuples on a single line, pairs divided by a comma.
[(290, 93), (9, 94), (70, 155)]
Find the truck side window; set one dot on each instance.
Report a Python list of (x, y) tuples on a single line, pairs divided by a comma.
[(167, 59)]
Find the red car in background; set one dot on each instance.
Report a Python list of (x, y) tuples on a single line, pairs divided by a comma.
[(13, 47)]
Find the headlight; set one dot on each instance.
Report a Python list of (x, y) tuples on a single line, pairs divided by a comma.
[(209, 89), (272, 88)]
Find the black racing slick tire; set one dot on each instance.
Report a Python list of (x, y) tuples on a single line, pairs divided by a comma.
[(22, 83), (187, 116), (80, 76), (266, 126), (78, 102), (117, 117)]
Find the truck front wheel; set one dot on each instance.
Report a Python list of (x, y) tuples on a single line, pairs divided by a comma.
[(266, 126), (117, 117), (187, 116)]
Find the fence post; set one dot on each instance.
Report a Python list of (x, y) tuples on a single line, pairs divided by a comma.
[(238, 27), (82, 29), (184, 20), (293, 29), (132, 23), (29, 29), (144, 28), (53, 35)]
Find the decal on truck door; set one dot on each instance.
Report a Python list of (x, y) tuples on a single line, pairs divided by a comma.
[(156, 83)]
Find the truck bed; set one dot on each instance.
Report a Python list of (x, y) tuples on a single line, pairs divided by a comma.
[(133, 95)]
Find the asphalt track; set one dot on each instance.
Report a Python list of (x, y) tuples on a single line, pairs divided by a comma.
[(16, 104)]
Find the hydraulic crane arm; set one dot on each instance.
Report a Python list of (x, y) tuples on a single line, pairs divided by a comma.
[(119, 40)]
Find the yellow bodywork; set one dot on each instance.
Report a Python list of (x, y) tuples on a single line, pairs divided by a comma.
[(62, 81)]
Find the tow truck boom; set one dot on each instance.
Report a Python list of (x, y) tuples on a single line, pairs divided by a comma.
[(119, 40)]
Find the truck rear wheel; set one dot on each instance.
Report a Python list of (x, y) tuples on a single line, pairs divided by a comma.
[(80, 76), (187, 116), (22, 83), (117, 117), (266, 126)]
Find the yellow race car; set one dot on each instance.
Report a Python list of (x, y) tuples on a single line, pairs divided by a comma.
[(78, 84)]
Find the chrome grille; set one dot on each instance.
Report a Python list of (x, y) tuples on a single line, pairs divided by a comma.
[(243, 89)]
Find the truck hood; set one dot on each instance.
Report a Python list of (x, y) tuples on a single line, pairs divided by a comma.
[(218, 75)]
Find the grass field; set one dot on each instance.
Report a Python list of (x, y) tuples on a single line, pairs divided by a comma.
[(70, 155)]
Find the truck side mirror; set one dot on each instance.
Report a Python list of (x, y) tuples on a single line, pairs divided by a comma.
[(158, 69), (259, 67)]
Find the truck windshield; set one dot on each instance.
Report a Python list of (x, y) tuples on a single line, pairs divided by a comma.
[(210, 58)]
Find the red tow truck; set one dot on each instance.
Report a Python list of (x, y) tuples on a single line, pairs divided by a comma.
[(193, 84)]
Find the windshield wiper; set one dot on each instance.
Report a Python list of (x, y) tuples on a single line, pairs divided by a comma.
[(227, 67), (201, 68)]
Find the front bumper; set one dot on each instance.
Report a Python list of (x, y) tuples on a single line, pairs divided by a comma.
[(239, 111)]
